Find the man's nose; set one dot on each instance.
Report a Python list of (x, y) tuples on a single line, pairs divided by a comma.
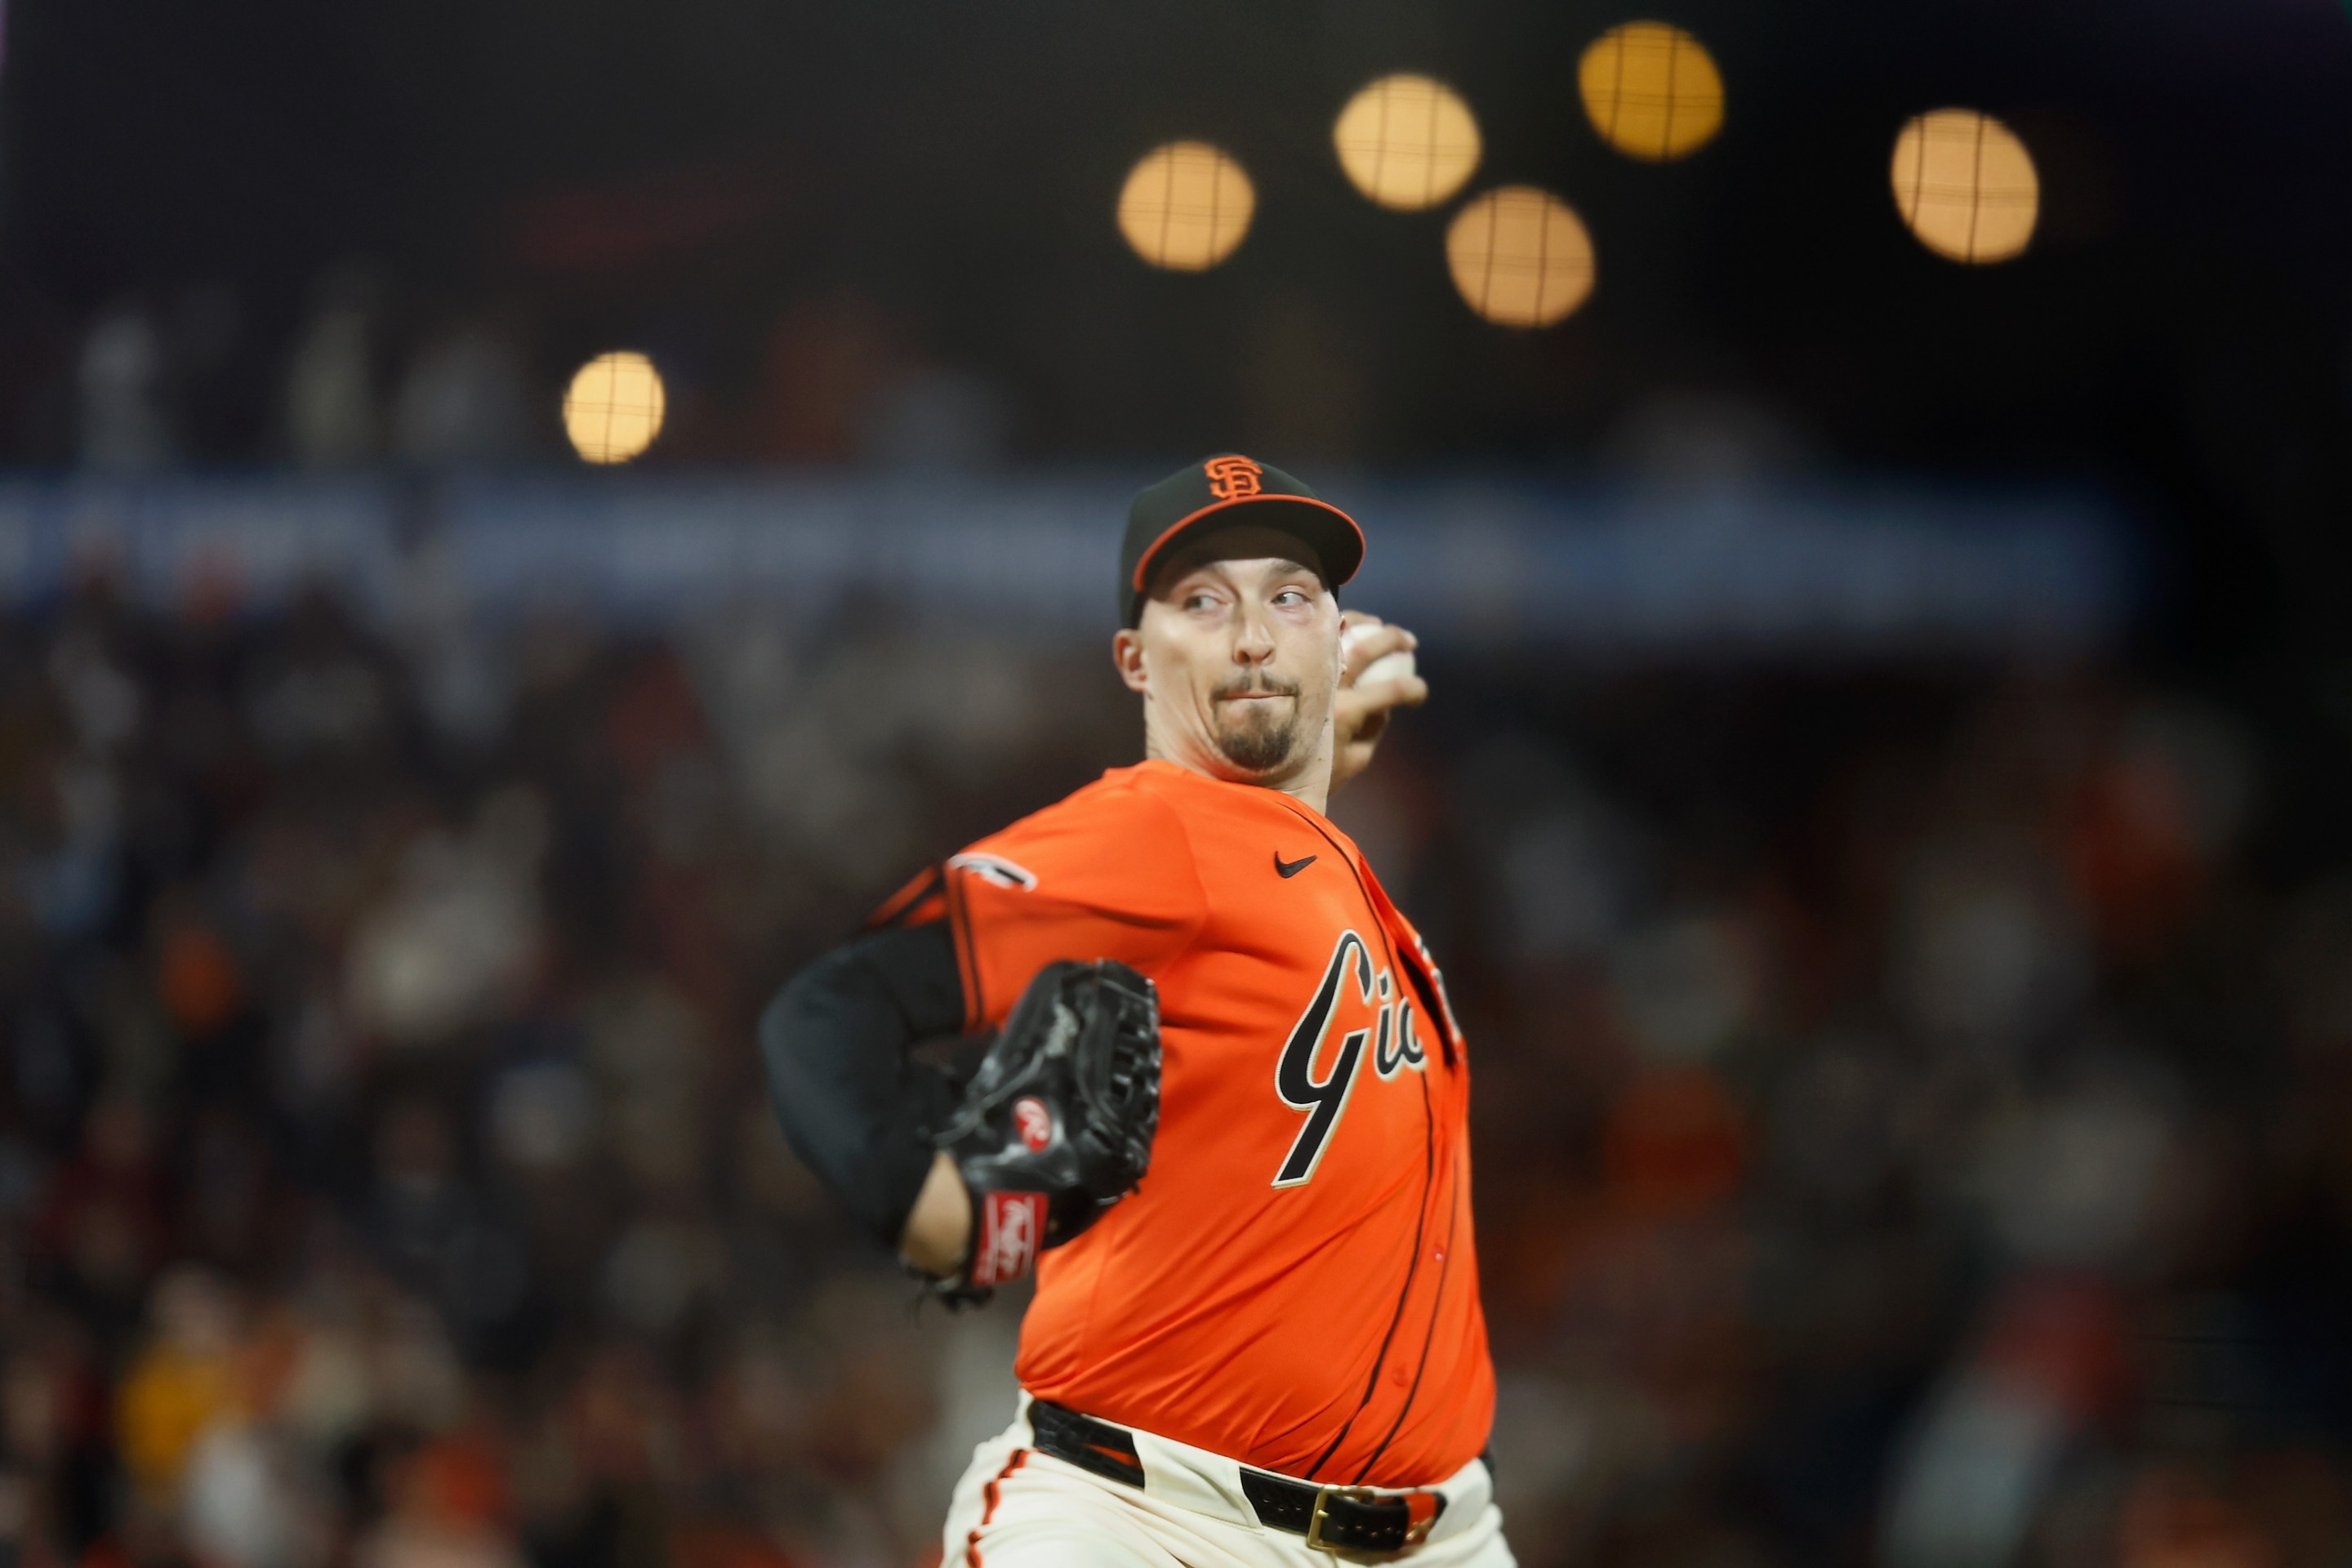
[(1253, 638)]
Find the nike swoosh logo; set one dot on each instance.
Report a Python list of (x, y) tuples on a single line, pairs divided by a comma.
[(1290, 868)]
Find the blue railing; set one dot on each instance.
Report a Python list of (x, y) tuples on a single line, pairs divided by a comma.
[(1837, 567)]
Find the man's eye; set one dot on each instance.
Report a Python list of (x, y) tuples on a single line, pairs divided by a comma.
[(1290, 596), (1198, 601)]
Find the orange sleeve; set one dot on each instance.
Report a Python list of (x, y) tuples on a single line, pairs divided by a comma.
[(922, 900), (1107, 873)]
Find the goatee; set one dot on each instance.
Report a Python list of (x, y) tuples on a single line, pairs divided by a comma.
[(1257, 743)]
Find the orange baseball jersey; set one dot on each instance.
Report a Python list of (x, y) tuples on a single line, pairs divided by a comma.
[(1294, 1284)]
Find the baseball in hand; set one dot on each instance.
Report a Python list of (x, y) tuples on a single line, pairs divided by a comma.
[(1388, 667)]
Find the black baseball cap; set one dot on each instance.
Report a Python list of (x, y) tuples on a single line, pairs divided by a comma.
[(1214, 493)]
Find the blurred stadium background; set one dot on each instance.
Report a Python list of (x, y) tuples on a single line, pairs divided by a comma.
[(522, 520)]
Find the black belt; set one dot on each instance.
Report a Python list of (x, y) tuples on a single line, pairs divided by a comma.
[(1345, 1519)]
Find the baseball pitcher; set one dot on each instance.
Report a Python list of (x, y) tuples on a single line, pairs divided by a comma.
[(1225, 1113)]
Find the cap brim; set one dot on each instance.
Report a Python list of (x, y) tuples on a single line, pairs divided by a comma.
[(1335, 537)]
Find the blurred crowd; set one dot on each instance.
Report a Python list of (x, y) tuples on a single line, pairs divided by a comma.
[(354, 371), (1909, 1130)]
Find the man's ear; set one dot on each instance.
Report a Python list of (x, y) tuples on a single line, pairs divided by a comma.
[(1126, 652)]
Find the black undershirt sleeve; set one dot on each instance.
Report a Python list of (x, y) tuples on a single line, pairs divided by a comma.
[(855, 1107)]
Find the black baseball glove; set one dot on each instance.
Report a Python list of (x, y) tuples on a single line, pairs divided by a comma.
[(1057, 1125)]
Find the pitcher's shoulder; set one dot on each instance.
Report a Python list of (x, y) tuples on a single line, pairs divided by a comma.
[(1117, 828), (1121, 799)]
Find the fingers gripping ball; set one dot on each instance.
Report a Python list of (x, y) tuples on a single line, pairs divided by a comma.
[(1058, 1124), (1395, 666)]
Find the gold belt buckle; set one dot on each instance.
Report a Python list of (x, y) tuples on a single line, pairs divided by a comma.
[(1323, 1495)]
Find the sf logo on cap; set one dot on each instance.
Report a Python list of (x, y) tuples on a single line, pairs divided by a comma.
[(1230, 479)]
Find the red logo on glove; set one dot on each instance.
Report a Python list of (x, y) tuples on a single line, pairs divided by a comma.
[(1034, 1122), (1012, 1225)]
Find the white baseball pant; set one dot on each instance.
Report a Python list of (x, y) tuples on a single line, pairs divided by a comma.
[(1016, 1508)]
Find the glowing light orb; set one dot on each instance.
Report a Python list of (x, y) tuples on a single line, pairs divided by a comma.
[(1966, 186), (1520, 256), (1407, 141), (1185, 207), (1651, 91), (614, 408)]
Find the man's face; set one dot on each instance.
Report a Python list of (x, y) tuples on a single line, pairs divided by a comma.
[(1237, 655)]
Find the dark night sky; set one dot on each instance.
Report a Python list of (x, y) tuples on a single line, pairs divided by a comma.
[(681, 174)]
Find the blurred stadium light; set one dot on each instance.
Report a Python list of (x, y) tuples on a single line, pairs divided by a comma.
[(1468, 559), (1185, 207), (1407, 141), (614, 408), (1651, 91), (1520, 256), (1966, 186)]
